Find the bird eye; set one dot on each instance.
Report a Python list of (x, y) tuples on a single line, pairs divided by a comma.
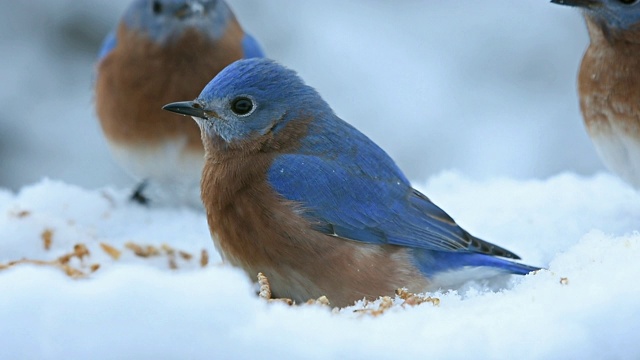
[(242, 106), (156, 6), (628, 2)]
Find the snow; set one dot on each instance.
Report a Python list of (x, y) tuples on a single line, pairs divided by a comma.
[(583, 229), (475, 100)]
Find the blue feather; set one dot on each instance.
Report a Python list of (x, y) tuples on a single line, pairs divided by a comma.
[(108, 44), (435, 262), (250, 47), (354, 190)]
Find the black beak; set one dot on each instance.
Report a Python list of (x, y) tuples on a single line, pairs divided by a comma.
[(587, 4), (187, 108)]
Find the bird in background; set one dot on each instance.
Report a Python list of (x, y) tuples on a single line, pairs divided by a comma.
[(609, 83), (293, 191), (163, 50)]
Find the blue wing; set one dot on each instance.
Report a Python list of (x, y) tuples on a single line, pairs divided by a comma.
[(250, 47), (359, 193), (108, 44)]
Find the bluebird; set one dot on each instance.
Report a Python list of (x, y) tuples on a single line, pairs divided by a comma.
[(609, 83), (293, 191), (162, 50)]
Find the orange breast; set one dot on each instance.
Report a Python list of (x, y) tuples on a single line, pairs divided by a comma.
[(138, 77)]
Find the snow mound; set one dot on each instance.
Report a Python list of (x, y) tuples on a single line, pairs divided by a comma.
[(86, 274)]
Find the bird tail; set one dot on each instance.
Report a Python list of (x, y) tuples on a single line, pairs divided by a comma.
[(433, 262), (509, 266)]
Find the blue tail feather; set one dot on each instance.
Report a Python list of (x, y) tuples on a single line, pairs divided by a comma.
[(434, 262)]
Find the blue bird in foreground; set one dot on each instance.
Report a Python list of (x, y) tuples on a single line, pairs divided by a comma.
[(293, 191), (162, 50)]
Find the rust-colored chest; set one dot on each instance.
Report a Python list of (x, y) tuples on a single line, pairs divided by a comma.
[(256, 229), (609, 83), (138, 77)]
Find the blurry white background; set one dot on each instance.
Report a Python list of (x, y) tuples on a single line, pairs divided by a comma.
[(483, 87)]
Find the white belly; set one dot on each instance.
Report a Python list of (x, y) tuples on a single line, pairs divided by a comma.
[(172, 174), (620, 152)]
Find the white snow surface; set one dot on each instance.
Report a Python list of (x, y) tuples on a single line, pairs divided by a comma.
[(582, 229)]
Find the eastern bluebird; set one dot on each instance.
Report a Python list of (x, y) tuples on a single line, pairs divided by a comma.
[(160, 51), (609, 83), (293, 191)]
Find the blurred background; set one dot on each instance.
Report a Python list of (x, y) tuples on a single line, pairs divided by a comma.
[(483, 87)]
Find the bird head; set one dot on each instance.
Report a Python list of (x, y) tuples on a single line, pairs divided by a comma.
[(164, 20), (252, 98), (615, 14)]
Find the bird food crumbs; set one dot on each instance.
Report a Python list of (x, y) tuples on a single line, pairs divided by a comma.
[(22, 214), (147, 251), (412, 299), (62, 262), (111, 251), (142, 251), (79, 251), (167, 249), (47, 238), (204, 258), (386, 302), (322, 300)]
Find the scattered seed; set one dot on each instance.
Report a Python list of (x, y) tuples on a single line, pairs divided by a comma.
[(204, 258), (111, 251), (47, 238)]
